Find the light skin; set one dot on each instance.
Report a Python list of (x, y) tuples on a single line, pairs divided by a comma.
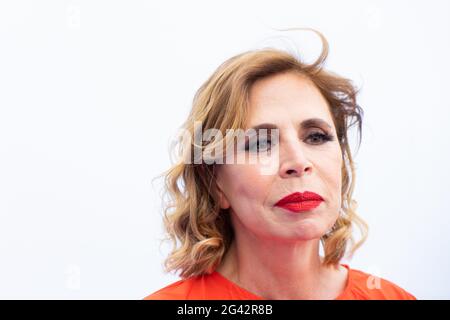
[(275, 253)]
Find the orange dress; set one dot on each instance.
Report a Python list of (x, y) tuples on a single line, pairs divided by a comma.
[(214, 286)]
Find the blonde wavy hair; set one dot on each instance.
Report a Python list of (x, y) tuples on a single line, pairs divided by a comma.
[(199, 230)]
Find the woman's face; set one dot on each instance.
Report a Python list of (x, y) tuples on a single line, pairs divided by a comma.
[(303, 162)]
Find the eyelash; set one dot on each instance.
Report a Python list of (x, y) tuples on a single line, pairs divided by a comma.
[(325, 137)]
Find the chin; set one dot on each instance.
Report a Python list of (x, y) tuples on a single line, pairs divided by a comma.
[(303, 235), (309, 233)]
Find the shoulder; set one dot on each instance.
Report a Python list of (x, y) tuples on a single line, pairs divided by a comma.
[(368, 286), (211, 286), (178, 290)]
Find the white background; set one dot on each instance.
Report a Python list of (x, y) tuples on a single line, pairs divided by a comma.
[(92, 92)]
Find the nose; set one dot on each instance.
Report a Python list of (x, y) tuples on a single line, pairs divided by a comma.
[(294, 161)]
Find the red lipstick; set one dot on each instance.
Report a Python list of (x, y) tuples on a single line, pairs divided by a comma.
[(299, 202)]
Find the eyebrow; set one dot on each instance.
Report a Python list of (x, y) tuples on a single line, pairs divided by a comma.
[(305, 124)]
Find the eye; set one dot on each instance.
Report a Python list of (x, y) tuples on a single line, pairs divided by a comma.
[(319, 138), (262, 144)]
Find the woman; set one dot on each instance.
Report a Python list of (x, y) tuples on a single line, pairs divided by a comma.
[(253, 229)]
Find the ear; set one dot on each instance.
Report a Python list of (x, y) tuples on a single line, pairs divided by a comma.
[(224, 204), (223, 201)]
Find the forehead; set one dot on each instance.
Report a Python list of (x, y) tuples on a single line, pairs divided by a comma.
[(284, 99)]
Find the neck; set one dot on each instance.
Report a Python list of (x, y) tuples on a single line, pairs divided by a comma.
[(277, 270)]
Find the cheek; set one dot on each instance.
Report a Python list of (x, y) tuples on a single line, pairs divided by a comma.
[(331, 161), (334, 173), (247, 188), (330, 168)]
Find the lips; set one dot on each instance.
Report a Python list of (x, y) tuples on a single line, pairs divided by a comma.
[(299, 202)]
